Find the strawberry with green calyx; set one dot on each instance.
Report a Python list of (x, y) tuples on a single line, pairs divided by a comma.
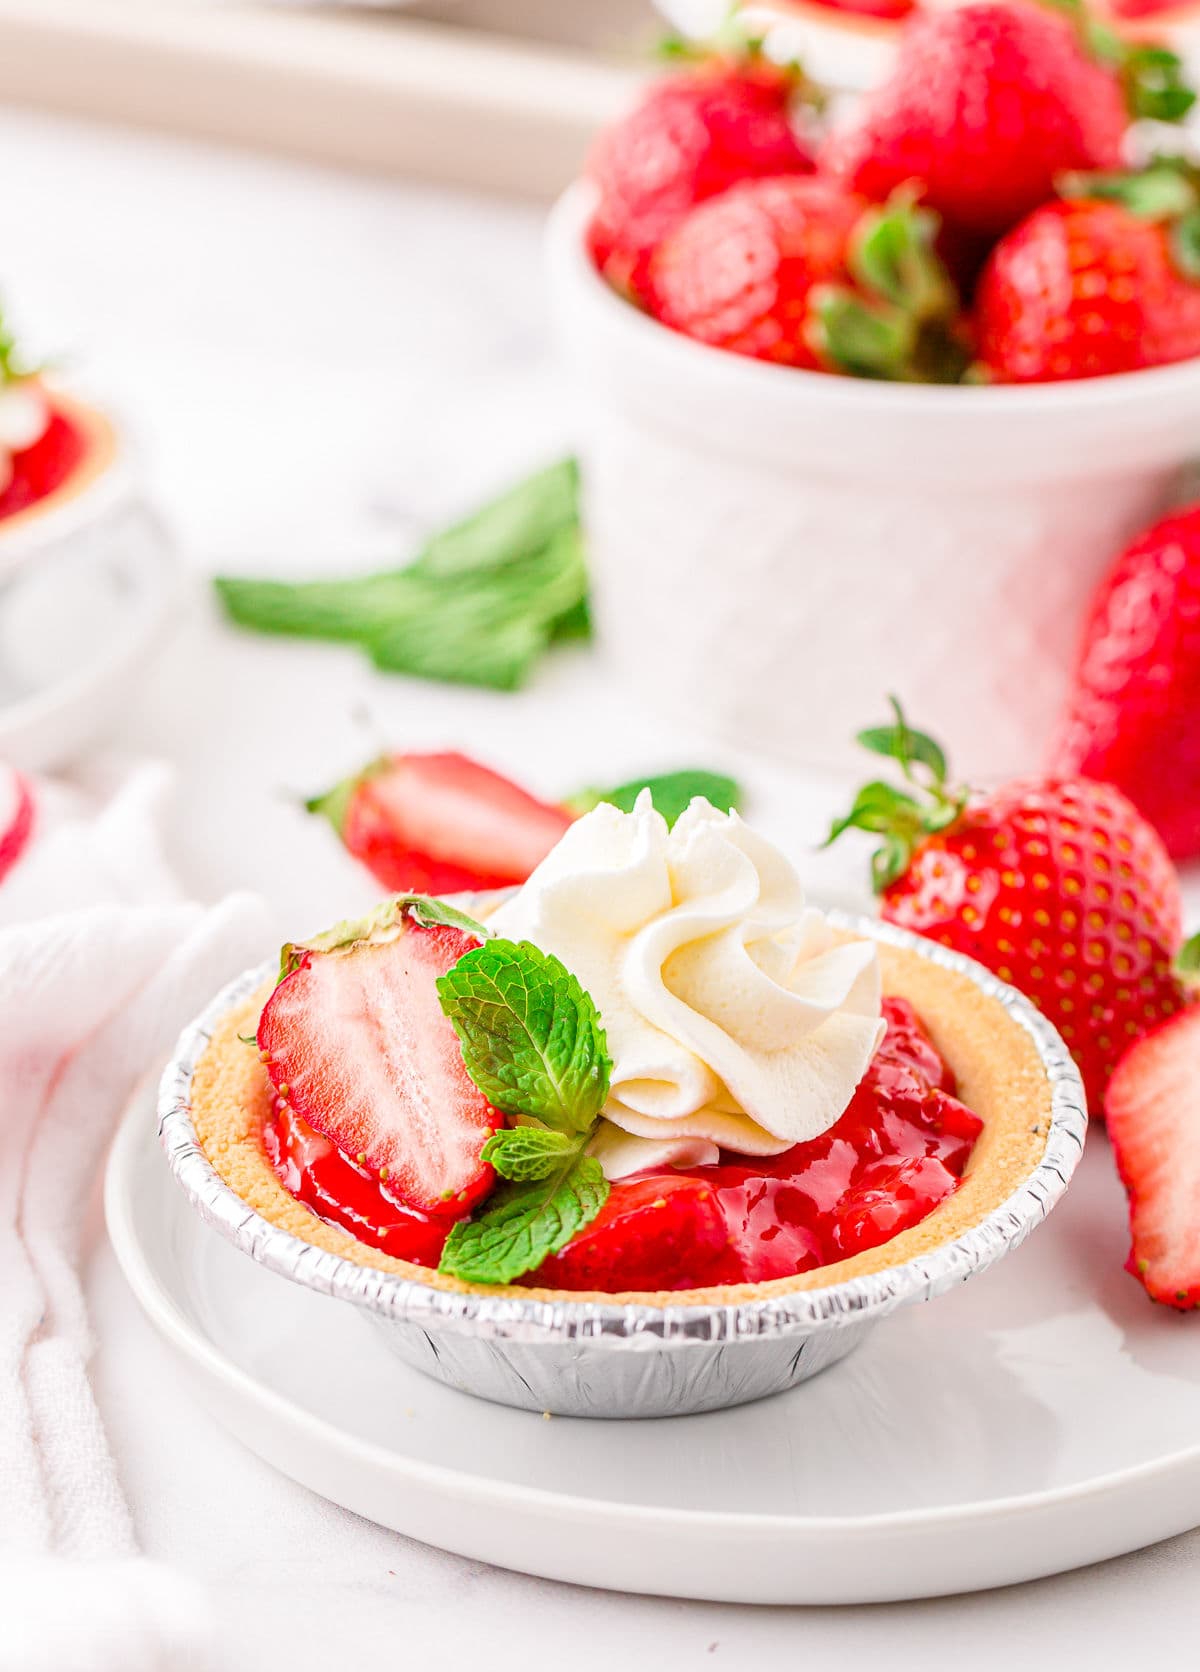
[(440, 823), (1105, 280), (988, 103), (1057, 885), (725, 116), (804, 273)]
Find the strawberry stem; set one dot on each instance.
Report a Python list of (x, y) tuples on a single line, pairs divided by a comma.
[(902, 817), (900, 319)]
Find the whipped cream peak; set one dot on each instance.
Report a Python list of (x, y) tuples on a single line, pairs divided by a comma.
[(736, 1018)]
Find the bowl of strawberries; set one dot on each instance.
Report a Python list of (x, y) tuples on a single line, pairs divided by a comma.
[(884, 394)]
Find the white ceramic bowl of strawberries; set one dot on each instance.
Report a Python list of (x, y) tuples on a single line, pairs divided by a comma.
[(771, 539)]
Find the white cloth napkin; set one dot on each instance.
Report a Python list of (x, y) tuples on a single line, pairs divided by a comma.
[(101, 963)]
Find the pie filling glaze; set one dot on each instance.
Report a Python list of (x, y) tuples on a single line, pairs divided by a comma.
[(951, 1116), (900, 1148)]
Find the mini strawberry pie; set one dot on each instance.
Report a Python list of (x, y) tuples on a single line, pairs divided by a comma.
[(50, 446), (652, 1070)]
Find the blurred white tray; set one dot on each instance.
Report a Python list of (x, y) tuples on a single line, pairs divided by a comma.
[(363, 89)]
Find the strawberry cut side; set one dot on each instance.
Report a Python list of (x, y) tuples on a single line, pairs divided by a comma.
[(1153, 1113), (356, 1043)]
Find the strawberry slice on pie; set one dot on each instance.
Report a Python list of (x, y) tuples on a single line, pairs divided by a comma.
[(355, 1042)]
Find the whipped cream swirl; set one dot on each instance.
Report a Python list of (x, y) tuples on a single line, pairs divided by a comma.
[(24, 419), (735, 1017)]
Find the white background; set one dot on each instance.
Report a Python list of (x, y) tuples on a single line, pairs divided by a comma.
[(319, 368)]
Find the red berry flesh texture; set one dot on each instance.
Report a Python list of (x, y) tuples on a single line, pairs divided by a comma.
[(690, 138), (441, 823), (986, 106), (1133, 717), (1153, 1115), (1063, 890), (355, 1042), (737, 273), (1083, 290)]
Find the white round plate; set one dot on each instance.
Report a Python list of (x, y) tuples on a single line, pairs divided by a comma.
[(1040, 1418)]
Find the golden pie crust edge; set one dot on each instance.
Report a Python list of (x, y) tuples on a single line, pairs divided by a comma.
[(1000, 1077)]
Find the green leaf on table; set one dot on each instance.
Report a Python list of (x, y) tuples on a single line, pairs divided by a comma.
[(479, 605), (522, 1224), (531, 1036), (671, 792)]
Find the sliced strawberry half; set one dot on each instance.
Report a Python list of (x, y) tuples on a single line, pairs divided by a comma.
[(660, 1231), (356, 1043), (442, 822), (1153, 1113)]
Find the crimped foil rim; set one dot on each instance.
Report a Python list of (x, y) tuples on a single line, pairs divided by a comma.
[(630, 1325)]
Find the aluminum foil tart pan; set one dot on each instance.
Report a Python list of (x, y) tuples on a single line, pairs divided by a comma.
[(612, 1359)]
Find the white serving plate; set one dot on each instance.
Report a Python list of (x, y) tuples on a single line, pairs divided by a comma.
[(1039, 1419)]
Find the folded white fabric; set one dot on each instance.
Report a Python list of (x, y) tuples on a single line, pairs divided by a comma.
[(100, 965)]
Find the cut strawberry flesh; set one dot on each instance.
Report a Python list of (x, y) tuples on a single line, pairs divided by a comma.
[(1153, 1113), (40, 469), (356, 1043), (900, 1148), (439, 823), (319, 1175)]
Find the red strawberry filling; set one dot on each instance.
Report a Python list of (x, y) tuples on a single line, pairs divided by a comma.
[(40, 469), (898, 1151)]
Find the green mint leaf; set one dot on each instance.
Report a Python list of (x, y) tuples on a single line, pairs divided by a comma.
[(523, 1224), (382, 924), (531, 1037), (671, 792), (518, 523), (479, 606), (524, 1153)]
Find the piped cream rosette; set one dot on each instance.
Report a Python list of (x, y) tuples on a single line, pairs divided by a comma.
[(735, 1017)]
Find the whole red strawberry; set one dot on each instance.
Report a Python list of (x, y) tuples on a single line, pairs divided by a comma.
[(804, 273), (1133, 716), (1084, 289), (987, 104), (1058, 885), (693, 135)]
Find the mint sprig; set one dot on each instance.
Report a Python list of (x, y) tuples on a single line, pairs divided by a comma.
[(531, 1037), (478, 606), (523, 1224), (533, 1043), (671, 792), (525, 1153)]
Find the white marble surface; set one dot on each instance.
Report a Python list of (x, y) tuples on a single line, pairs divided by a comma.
[(320, 366)]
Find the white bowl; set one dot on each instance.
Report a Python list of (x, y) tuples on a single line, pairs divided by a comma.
[(774, 549), (88, 583)]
